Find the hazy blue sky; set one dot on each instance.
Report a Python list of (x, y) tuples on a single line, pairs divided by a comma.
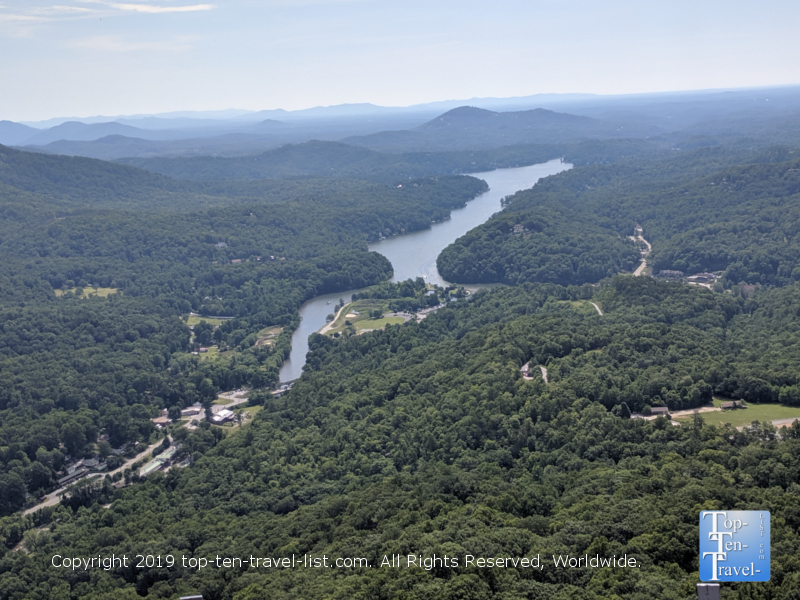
[(88, 57)]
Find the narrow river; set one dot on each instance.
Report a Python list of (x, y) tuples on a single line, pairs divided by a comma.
[(414, 255)]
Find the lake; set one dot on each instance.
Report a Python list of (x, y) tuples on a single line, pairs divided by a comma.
[(414, 254)]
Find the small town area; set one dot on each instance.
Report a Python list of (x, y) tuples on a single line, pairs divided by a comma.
[(133, 461)]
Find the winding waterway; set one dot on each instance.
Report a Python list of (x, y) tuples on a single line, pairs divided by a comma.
[(414, 255)]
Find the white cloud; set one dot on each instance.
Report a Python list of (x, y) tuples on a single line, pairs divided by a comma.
[(45, 13), (62, 9), (9, 17), (151, 8)]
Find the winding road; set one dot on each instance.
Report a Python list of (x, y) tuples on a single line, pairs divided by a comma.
[(53, 498), (638, 237), (544, 373), (330, 325)]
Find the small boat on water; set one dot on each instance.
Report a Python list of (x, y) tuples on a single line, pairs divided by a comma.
[(329, 301)]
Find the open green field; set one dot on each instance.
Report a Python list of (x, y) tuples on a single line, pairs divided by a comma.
[(212, 354), (222, 401), (90, 291), (215, 354), (251, 411), (270, 332), (195, 320), (268, 335), (378, 323), (745, 416), (357, 314)]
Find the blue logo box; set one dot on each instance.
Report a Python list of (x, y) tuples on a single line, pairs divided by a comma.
[(734, 545)]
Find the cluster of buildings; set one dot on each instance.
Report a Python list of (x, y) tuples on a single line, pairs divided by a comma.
[(656, 411), (703, 279), (223, 416), (80, 468), (194, 410)]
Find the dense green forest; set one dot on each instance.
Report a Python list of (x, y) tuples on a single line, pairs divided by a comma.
[(337, 160), (702, 210), (424, 438), (551, 245), (75, 367)]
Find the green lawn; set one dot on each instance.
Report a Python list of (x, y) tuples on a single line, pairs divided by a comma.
[(212, 354), (369, 324), (270, 332), (194, 320), (90, 291), (251, 410), (222, 401), (361, 321), (745, 416), (268, 335)]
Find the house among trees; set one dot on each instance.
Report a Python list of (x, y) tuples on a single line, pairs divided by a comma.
[(526, 371), (702, 278), (223, 416), (659, 410), (670, 274), (194, 409), (733, 404)]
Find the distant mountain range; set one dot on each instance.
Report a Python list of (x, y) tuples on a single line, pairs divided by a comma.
[(338, 160), (437, 126), (469, 127)]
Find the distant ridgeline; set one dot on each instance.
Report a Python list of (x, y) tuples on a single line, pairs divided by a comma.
[(423, 438), (702, 210), (338, 160), (342, 161)]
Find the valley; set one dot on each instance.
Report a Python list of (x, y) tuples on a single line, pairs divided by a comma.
[(455, 338)]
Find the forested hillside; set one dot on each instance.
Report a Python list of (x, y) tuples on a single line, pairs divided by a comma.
[(468, 127), (702, 211), (75, 365), (425, 439), (494, 424), (337, 160)]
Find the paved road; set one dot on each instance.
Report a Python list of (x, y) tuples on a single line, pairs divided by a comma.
[(640, 269), (53, 498), (328, 326), (785, 422), (236, 398), (690, 411)]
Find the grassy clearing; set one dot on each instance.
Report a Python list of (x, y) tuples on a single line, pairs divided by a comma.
[(268, 335), (212, 354), (270, 332), (250, 410), (89, 291), (215, 354), (357, 314), (195, 320), (745, 416), (222, 401), (377, 323)]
